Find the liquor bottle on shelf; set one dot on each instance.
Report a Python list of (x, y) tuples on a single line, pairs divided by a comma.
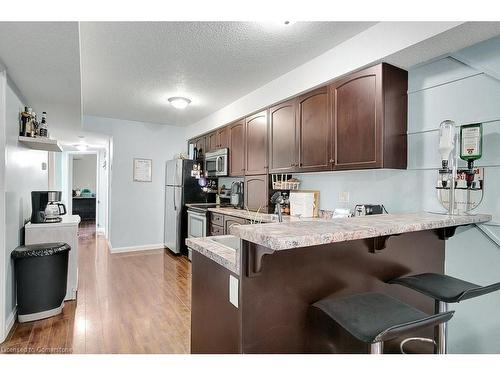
[(43, 130), (29, 123), (34, 125), (23, 121)]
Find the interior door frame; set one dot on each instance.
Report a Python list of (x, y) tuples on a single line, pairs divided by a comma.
[(69, 193)]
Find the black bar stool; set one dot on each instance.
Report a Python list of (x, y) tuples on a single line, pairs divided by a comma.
[(443, 289), (374, 317)]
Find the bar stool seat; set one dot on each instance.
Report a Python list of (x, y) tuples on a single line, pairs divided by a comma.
[(444, 288), (375, 317)]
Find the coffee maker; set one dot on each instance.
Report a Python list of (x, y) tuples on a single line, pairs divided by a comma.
[(237, 194), (46, 207)]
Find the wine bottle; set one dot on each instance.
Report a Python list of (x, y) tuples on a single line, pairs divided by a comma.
[(29, 123), (23, 122)]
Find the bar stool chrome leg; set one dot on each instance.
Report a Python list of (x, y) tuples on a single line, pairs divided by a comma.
[(377, 347), (440, 331)]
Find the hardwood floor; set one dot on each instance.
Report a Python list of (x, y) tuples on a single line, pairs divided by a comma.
[(136, 302)]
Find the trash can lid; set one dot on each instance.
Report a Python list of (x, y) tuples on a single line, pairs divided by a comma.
[(39, 250)]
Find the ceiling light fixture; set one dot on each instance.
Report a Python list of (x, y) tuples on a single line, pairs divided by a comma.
[(179, 102), (81, 147)]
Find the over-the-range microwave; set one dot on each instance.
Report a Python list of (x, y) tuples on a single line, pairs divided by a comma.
[(216, 163)]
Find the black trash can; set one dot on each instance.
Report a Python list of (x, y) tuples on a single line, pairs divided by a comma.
[(41, 272)]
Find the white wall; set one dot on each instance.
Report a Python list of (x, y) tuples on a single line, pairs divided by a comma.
[(450, 89), (23, 173), (85, 172), (137, 208)]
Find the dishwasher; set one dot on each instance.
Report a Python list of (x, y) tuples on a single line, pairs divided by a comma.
[(197, 223)]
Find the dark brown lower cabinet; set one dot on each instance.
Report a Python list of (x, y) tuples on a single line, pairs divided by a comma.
[(230, 221), (256, 192), (275, 314)]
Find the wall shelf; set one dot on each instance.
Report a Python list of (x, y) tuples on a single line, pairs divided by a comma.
[(44, 144)]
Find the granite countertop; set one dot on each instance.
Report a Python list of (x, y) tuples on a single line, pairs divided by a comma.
[(227, 257), (251, 215), (309, 232)]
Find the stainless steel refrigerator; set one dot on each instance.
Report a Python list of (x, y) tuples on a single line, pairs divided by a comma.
[(180, 189)]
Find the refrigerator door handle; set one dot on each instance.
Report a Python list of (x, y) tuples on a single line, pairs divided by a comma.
[(175, 206)]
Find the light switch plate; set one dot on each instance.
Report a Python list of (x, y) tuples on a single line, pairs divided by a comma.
[(344, 197), (233, 290)]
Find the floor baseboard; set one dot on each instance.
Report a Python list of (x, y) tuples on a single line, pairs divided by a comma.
[(9, 323), (114, 250)]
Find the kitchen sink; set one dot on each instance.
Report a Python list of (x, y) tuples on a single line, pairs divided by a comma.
[(232, 242)]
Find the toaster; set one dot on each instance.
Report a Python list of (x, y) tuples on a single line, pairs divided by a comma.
[(368, 209)]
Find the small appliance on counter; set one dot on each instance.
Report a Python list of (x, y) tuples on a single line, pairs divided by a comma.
[(237, 200), (369, 209), (46, 207)]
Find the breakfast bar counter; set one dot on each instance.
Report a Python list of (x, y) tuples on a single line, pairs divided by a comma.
[(256, 286)]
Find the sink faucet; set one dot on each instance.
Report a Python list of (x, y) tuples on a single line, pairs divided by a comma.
[(277, 199)]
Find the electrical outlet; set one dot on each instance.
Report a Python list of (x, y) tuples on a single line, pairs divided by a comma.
[(233, 290), (344, 197)]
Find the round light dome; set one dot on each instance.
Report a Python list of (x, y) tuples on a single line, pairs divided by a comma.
[(179, 102)]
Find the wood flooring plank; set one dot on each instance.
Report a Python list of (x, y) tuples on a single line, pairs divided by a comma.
[(127, 303)]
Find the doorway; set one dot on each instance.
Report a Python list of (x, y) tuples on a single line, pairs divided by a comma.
[(84, 190)]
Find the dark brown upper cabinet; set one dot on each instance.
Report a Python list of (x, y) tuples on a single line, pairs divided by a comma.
[(199, 143), (212, 141), (236, 134), (256, 144), (223, 137), (314, 131), (283, 137), (369, 117)]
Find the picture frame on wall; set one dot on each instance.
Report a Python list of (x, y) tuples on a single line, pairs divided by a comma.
[(143, 169)]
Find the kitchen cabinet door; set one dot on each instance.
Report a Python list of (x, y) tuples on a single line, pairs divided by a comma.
[(237, 148), (230, 221), (314, 127), (256, 144), (212, 141), (282, 137), (256, 192), (223, 137), (357, 119)]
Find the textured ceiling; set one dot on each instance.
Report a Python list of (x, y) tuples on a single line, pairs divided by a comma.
[(43, 59), (129, 69)]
